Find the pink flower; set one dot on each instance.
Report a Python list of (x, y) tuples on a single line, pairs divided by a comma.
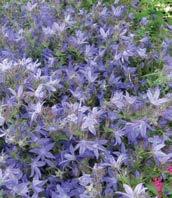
[(159, 186), (169, 169)]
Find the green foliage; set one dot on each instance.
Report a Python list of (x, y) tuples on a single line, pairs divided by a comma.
[(141, 157), (76, 55), (34, 50), (124, 179), (1, 194), (107, 132), (168, 189), (2, 143), (87, 4), (156, 78), (59, 173), (79, 133), (57, 137), (158, 131), (13, 115), (157, 13), (61, 56), (151, 189)]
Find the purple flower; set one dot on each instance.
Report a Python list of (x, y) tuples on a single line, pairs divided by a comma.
[(37, 186), (72, 107), (94, 146), (154, 97), (18, 94), (48, 31), (159, 154), (59, 192), (59, 28), (31, 6), (44, 152), (144, 21), (141, 52), (167, 114), (90, 75), (111, 185), (69, 157), (35, 171), (80, 38), (103, 33), (130, 99), (118, 100), (37, 109), (12, 173), (115, 164), (85, 180), (91, 120), (136, 128), (118, 11), (20, 189), (118, 134)]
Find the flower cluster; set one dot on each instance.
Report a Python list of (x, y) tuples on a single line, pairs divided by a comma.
[(77, 116)]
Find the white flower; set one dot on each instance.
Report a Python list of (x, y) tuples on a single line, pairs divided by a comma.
[(37, 74), (130, 99), (19, 92), (118, 100), (3, 158), (138, 192), (51, 84), (19, 35), (2, 121), (38, 107), (33, 65), (91, 77), (39, 92), (89, 123), (5, 65), (48, 31), (72, 118), (59, 28), (103, 33), (37, 110), (91, 120), (141, 52), (30, 6), (80, 38), (68, 20), (154, 97), (29, 64), (116, 164), (160, 155)]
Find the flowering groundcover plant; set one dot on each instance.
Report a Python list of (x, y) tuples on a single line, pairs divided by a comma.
[(82, 111)]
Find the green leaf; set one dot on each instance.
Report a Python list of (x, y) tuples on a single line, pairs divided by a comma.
[(151, 189), (168, 188)]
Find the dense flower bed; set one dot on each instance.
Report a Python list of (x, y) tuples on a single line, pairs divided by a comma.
[(86, 105)]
